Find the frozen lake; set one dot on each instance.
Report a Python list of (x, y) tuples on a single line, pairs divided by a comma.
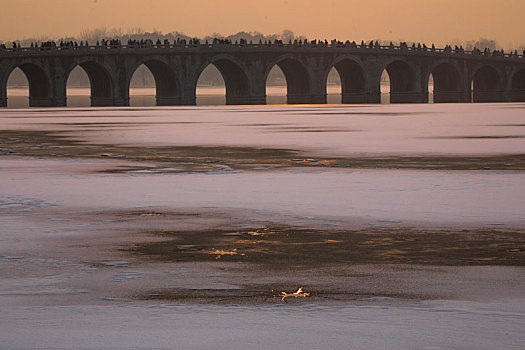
[(436, 325), (334, 130), (435, 198), (79, 186)]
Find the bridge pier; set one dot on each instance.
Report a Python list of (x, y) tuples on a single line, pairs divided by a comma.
[(299, 99), (513, 96), (188, 96), (167, 101), (360, 97), (452, 97), (59, 101), (245, 100), (41, 102), (258, 100), (354, 98), (101, 101), (188, 101), (488, 96), (3, 93), (109, 102), (408, 97)]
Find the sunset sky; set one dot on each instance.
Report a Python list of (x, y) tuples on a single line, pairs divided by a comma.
[(428, 21)]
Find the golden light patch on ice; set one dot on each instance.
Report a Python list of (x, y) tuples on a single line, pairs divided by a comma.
[(298, 294), (391, 252), (220, 252), (263, 232), (379, 241)]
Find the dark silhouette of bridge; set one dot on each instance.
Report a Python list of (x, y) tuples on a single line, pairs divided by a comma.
[(459, 75)]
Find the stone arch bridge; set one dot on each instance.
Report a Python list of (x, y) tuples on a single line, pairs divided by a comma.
[(459, 76)]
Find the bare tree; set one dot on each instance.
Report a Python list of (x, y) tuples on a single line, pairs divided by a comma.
[(483, 43), (92, 35)]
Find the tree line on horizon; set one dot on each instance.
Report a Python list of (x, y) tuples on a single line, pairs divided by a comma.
[(136, 33)]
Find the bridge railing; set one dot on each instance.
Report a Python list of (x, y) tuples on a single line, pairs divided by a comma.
[(323, 45)]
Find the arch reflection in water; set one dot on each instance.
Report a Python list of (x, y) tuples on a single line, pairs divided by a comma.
[(78, 88), (333, 87), (276, 86), (211, 88), (17, 89), (384, 87)]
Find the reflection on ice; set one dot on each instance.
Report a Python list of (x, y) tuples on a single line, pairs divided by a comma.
[(220, 252)]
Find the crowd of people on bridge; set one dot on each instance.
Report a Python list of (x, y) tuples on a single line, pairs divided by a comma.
[(148, 43), (143, 43)]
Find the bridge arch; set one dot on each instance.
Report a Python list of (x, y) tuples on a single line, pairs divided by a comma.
[(298, 79), (402, 81), (517, 85), (38, 81), (354, 84), (446, 78), (167, 83), (486, 84), (100, 81), (235, 77)]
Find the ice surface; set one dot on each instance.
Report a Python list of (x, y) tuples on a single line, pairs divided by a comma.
[(437, 197), (429, 325), (333, 130), (75, 307)]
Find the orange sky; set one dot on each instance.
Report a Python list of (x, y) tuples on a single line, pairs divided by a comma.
[(428, 21)]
